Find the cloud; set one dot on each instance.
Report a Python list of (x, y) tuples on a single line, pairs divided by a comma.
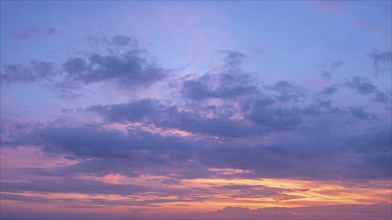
[(331, 68), (333, 155), (221, 124), (258, 117), (121, 40), (229, 82), (227, 121), (375, 211), (67, 89), (371, 147), (381, 60), (328, 90), (365, 87), (69, 185), (233, 59), (285, 91), (361, 85), (128, 67), (32, 32), (117, 41), (326, 75), (85, 142), (359, 113), (265, 116), (225, 87), (134, 111), (53, 31), (167, 116), (34, 71), (26, 34)]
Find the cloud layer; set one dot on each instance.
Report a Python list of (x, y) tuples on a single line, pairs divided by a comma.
[(218, 134)]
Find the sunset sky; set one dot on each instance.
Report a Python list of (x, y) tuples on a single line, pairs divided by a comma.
[(196, 110)]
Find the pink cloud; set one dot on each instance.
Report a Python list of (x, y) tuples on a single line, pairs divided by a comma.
[(333, 6), (32, 157), (15, 160)]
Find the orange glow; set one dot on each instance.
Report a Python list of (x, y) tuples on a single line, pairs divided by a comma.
[(123, 127), (303, 192), (143, 180), (229, 171), (292, 193)]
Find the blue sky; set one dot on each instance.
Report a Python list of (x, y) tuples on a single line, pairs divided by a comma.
[(153, 101)]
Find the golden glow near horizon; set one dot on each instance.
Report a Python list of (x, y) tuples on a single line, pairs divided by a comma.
[(305, 192), (291, 193), (220, 190), (220, 193)]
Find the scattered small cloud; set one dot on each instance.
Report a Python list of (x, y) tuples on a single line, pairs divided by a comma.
[(382, 61), (27, 33), (364, 86), (53, 31), (328, 90)]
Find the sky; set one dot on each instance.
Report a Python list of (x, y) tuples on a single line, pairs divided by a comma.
[(196, 109)]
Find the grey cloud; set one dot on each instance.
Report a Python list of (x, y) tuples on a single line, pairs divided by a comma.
[(229, 82), (31, 32), (130, 69), (336, 65), (265, 117), (121, 40), (373, 147), (331, 68), (233, 59), (325, 154), (69, 185), (83, 141), (105, 151), (34, 71), (262, 114), (139, 146), (329, 90), (326, 105), (381, 60), (322, 106), (227, 86), (67, 89), (333, 155), (382, 97), (326, 75), (117, 41), (214, 126), (166, 116), (133, 111), (53, 31), (365, 87), (359, 113), (362, 85), (26, 33), (285, 91)]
